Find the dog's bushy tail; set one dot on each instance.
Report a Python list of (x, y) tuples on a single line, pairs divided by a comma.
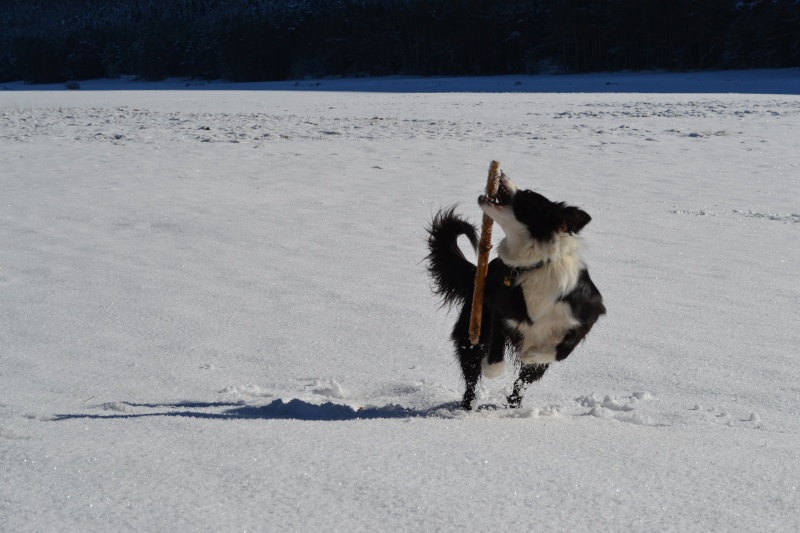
[(452, 274)]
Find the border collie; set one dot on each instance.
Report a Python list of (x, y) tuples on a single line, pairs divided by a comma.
[(539, 299)]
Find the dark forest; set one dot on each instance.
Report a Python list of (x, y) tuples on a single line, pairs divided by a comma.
[(251, 40)]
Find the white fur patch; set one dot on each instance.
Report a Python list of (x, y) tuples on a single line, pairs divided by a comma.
[(518, 249), (551, 322), (534, 356), (493, 370)]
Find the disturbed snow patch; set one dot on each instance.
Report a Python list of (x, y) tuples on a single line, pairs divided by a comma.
[(788, 218)]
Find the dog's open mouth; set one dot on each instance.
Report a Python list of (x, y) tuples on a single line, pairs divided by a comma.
[(501, 198)]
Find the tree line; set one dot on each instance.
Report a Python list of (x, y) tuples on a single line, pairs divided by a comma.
[(46, 41)]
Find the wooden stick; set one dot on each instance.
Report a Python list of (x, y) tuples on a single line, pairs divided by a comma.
[(484, 247)]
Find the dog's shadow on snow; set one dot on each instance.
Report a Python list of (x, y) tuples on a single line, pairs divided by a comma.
[(277, 410), (300, 410)]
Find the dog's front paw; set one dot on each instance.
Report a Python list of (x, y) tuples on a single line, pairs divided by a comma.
[(537, 356)]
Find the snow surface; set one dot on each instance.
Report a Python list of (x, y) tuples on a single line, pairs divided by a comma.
[(214, 312)]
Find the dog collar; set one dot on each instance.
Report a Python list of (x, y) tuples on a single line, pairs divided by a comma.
[(511, 277)]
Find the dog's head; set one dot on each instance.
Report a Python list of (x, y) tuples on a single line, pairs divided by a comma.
[(518, 210)]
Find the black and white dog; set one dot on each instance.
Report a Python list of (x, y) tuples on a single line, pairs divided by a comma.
[(539, 299)]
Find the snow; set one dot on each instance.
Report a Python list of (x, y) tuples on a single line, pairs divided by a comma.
[(214, 311)]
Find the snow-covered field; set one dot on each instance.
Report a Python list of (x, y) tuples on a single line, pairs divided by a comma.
[(214, 312)]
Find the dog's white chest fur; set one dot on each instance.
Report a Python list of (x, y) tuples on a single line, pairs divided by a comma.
[(543, 289)]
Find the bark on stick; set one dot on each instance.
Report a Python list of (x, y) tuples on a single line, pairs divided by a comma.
[(484, 247)]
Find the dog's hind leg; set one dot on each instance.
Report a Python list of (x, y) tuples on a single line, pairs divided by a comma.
[(493, 363), (527, 375), (469, 356)]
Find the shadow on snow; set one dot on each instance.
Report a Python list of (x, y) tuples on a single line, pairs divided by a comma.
[(278, 410)]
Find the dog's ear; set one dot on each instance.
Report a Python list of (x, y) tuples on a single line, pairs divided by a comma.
[(575, 218)]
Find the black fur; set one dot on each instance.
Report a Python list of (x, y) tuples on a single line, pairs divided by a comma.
[(453, 280)]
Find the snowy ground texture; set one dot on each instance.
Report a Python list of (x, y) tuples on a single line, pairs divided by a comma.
[(214, 313)]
